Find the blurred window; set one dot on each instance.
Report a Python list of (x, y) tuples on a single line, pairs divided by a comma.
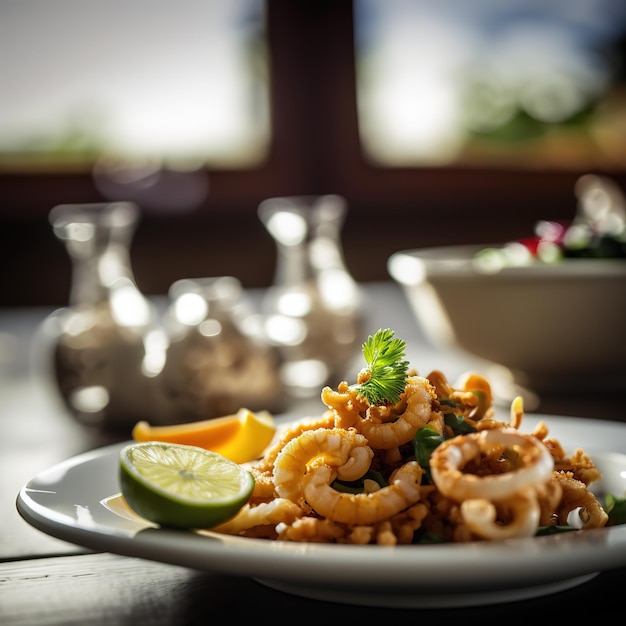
[(177, 81), (491, 83)]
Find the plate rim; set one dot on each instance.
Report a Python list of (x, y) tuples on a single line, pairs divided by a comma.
[(569, 556)]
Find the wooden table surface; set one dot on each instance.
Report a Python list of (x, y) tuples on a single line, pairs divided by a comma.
[(44, 580)]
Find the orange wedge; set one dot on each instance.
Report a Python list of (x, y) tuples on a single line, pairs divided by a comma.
[(240, 437), (256, 433), (205, 434)]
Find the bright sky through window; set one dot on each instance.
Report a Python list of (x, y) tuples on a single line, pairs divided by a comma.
[(484, 81), (184, 80)]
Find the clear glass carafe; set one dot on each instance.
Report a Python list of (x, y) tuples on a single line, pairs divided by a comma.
[(313, 308), (218, 360), (106, 348)]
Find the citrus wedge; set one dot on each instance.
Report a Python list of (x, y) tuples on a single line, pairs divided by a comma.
[(256, 433), (205, 433), (180, 486), (240, 437)]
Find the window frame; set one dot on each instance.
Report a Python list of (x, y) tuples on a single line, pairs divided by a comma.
[(315, 138), (314, 150)]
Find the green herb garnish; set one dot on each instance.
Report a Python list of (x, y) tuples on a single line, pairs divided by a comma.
[(384, 380)]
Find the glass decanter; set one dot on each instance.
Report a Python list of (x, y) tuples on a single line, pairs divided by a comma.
[(106, 347), (313, 308), (218, 360)]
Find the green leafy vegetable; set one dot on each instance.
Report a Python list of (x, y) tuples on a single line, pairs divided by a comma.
[(458, 424), (446, 402), (615, 506), (357, 486), (385, 377), (426, 439)]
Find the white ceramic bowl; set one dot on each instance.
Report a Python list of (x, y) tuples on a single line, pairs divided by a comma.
[(556, 327)]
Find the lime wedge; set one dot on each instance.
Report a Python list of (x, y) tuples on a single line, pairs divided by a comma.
[(181, 486)]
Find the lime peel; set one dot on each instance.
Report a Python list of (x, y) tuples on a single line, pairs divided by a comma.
[(182, 486)]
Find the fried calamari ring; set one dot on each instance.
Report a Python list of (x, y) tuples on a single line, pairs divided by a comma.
[(481, 516), (534, 465)]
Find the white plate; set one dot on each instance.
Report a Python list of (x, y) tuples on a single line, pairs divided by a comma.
[(72, 501)]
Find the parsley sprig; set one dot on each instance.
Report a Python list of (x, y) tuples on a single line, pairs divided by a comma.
[(384, 380)]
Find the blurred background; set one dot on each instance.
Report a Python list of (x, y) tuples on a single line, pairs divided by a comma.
[(439, 123)]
